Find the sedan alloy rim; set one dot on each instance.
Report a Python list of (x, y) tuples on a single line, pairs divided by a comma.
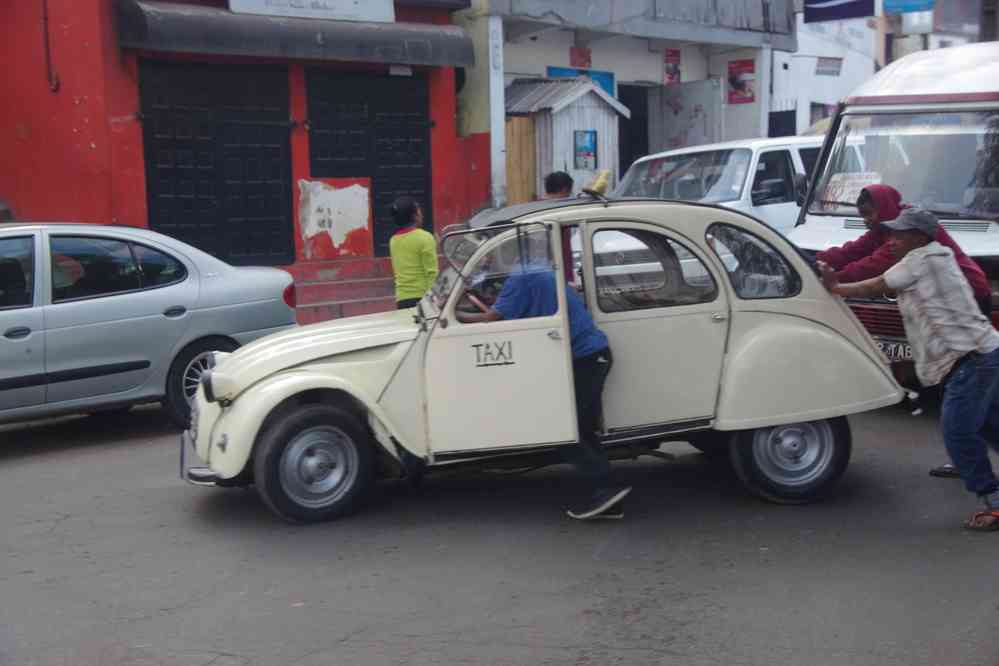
[(192, 374)]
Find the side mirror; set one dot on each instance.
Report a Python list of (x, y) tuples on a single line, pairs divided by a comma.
[(770, 191), (800, 188)]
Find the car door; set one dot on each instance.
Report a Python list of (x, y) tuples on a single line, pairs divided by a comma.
[(653, 294), (503, 384), (772, 192), (118, 309), (22, 345)]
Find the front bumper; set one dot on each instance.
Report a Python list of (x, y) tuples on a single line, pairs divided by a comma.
[(197, 476)]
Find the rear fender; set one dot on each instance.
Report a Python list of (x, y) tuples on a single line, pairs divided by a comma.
[(241, 422), (788, 369)]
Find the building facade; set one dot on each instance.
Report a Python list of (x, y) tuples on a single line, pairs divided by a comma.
[(689, 71), (265, 140)]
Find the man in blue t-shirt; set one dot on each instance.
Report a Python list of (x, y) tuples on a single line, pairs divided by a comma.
[(533, 292)]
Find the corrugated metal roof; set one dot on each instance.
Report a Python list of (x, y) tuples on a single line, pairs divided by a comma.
[(533, 95)]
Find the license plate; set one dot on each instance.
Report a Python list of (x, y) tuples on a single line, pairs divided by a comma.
[(895, 351)]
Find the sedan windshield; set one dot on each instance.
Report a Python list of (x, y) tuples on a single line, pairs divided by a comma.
[(945, 162), (711, 176)]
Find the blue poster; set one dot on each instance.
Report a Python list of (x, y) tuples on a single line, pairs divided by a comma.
[(834, 10), (603, 79), (903, 6), (584, 143)]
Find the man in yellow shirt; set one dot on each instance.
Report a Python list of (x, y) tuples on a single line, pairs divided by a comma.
[(414, 253)]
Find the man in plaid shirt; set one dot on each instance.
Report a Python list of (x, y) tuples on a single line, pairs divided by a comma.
[(953, 344)]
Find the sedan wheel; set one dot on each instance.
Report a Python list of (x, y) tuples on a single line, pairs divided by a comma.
[(193, 372), (185, 374), (793, 463), (313, 463)]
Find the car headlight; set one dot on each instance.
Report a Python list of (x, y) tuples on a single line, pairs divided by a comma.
[(206, 384)]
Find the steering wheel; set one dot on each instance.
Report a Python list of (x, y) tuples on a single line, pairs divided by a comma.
[(476, 301)]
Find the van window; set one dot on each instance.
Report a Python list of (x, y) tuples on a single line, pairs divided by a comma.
[(809, 156), (774, 179), (711, 176)]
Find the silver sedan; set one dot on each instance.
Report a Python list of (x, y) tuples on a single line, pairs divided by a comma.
[(94, 318)]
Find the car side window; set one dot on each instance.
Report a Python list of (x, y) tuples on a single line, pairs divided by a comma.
[(517, 276), (638, 269), (85, 267), (809, 156), (157, 268), (17, 272), (774, 179), (755, 268)]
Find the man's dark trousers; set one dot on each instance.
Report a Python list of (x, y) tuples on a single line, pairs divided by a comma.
[(590, 374)]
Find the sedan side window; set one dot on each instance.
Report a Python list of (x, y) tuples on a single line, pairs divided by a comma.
[(755, 268), (157, 269), (637, 270), (17, 272), (89, 267)]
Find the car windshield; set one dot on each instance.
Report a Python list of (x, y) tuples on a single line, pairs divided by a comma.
[(711, 176), (943, 161)]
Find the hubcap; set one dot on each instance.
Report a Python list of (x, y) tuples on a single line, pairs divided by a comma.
[(192, 374), (795, 454), (318, 466)]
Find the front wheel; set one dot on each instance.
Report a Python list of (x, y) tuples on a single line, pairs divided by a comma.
[(315, 463), (793, 463)]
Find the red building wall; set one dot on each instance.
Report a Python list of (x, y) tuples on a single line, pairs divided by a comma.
[(75, 153)]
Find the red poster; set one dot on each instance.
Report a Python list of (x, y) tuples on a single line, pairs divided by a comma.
[(741, 81), (580, 57), (671, 66)]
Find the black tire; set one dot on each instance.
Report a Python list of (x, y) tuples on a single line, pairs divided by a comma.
[(281, 471), (176, 403), (794, 463), (712, 443)]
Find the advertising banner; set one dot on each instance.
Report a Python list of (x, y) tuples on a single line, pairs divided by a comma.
[(742, 81), (834, 10), (671, 67)]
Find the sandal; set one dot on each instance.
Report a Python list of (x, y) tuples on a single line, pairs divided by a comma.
[(947, 471), (976, 524)]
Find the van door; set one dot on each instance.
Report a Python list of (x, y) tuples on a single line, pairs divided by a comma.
[(503, 385), (652, 293), (22, 330), (772, 192)]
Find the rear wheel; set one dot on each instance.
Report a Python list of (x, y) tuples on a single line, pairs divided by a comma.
[(793, 463), (185, 375), (316, 463)]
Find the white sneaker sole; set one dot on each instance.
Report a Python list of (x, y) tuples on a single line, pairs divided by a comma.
[(603, 506)]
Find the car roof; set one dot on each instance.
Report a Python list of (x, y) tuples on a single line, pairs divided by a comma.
[(39, 226), (751, 144)]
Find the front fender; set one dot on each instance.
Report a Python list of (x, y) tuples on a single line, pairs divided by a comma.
[(240, 422), (789, 369)]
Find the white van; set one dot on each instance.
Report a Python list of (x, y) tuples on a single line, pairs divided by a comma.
[(928, 125), (718, 173)]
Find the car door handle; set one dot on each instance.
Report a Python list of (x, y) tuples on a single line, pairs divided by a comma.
[(719, 316), (175, 311), (554, 335), (17, 333)]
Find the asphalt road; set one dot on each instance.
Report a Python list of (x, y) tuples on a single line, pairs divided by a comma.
[(110, 560)]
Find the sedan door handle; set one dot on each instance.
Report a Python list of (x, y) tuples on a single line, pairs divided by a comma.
[(175, 311), (719, 316), (17, 333), (554, 335)]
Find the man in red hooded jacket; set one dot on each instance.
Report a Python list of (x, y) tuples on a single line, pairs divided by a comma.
[(870, 256)]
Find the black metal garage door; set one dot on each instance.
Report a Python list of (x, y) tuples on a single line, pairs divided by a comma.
[(218, 159), (377, 127)]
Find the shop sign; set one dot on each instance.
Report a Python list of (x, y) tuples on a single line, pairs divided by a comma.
[(338, 10), (905, 6), (671, 66), (742, 81), (835, 10), (585, 150)]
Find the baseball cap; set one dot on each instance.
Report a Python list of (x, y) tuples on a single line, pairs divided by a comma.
[(914, 219)]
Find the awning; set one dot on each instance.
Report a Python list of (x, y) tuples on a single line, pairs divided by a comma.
[(151, 25)]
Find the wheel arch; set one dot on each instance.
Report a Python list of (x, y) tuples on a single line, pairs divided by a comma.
[(244, 421)]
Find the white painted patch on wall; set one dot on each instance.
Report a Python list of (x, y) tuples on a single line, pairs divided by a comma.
[(330, 210)]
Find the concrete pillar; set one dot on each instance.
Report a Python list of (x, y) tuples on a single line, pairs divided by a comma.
[(497, 110)]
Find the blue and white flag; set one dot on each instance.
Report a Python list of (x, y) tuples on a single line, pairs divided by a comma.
[(834, 10)]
